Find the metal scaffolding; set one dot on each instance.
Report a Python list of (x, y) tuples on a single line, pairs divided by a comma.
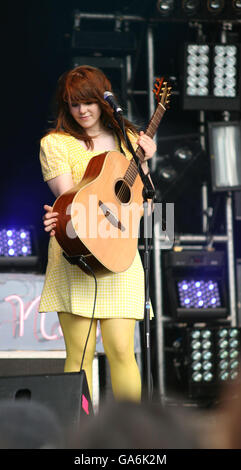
[(194, 240)]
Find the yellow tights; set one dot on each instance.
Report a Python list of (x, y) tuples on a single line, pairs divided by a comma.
[(118, 342)]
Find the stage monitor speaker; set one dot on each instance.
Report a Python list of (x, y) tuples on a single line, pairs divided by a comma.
[(67, 394)]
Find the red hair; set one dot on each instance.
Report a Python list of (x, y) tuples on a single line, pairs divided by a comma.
[(84, 84)]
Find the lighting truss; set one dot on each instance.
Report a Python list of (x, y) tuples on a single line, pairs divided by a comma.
[(199, 10), (211, 79)]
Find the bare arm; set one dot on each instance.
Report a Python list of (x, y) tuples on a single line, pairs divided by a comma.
[(58, 186), (61, 184)]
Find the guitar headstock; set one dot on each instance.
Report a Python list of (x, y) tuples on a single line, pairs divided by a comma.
[(162, 91)]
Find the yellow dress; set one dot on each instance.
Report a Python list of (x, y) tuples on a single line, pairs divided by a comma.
[(67, 288)]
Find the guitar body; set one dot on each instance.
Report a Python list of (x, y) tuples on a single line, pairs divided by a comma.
[(99, 218)]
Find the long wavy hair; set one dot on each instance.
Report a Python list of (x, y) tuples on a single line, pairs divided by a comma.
[(84, 84)]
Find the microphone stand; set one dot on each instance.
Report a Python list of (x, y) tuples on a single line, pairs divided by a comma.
[(148, 193)]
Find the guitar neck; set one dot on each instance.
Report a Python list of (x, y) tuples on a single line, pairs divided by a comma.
[(152, 126), (132, 170)]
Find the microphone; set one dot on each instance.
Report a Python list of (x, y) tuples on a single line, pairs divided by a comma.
[(109, 97)]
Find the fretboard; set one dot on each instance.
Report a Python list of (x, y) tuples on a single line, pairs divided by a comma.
[(132, 170)]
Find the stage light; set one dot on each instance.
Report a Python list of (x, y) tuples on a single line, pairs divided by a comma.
[(167, 174), (217, 359), (179, 158), (225, 154), (183, 154), (197, 80), (17, 247), (199, 359), (211, 77), (237, 6), (225, 71), (228, 347), (199, 294), (215, 6), (202, 11), (15, 242), (165, 7), (191, 6), (195, 286)]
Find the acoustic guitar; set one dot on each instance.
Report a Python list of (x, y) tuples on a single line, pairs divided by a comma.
[(99, 217)]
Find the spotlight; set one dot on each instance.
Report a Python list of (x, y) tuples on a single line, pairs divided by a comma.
[(168, 174), (237, 6), (190, 6), (215, 6), (165, 7), (184, 154), (180, 157)]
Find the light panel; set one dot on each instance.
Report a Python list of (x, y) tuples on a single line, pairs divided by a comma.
[(199, 293), (18, 247), (211, 77), (195, 285), (214, 355), (201, 359), (225, 153), (15, 242)]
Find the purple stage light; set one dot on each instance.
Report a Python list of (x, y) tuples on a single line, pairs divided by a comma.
[(15, 242), (199, 294)]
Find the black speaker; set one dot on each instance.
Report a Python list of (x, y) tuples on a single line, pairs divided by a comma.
[(67, 394)]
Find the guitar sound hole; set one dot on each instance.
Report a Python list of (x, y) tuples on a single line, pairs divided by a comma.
[(122, 192)]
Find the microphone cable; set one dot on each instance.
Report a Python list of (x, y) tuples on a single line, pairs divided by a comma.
[(93, 313)]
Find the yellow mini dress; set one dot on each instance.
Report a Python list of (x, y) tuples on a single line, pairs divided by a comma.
[(67, 288)]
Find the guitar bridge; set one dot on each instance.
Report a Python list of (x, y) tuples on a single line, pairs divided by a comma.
[(111, 216)]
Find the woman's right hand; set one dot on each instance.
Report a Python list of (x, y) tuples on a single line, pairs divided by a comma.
[(50, 219)]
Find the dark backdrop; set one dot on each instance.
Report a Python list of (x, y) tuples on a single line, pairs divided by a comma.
[(36, 50)]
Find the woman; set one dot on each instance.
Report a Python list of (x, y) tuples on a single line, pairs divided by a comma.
[(85, 127)]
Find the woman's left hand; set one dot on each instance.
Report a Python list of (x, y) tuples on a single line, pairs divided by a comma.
[(147, 144)]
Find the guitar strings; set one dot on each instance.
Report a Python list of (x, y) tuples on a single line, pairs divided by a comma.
[(132, 170)]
